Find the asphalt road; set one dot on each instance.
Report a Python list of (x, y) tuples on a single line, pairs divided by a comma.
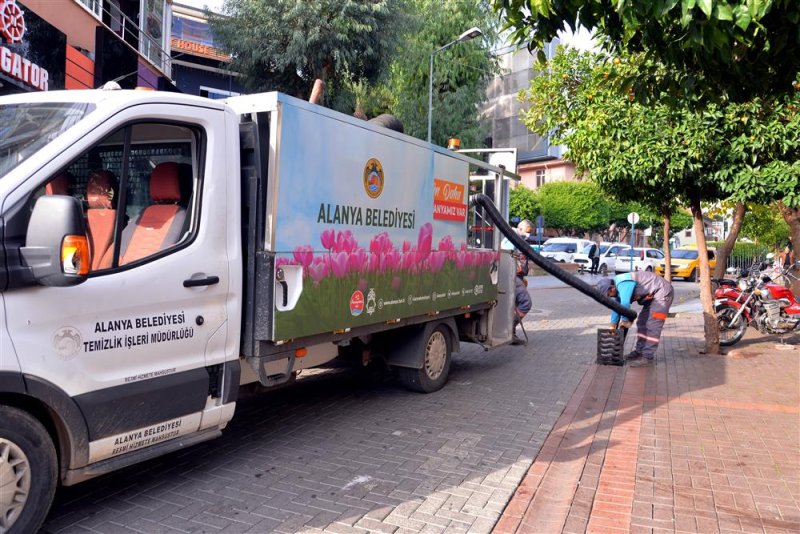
[(349, 451)]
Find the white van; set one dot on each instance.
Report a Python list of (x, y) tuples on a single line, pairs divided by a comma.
[(607, 254), (563, 249)]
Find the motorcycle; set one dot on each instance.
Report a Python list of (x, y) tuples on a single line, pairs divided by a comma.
[(755, 301)]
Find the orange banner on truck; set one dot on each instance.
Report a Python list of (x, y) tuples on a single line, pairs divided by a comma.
[(448, 201)]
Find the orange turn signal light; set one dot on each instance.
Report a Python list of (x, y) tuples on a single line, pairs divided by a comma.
[(302, 351), (75, 256)]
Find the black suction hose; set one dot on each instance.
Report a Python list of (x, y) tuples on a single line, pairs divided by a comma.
[(491, 211)]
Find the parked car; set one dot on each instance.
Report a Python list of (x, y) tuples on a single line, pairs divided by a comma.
[(644, 259), (563, 249), (685, 263), (607, 254)]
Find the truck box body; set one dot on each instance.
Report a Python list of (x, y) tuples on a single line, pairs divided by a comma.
[(367, 225)]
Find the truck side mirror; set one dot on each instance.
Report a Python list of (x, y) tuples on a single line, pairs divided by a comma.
[(56, 248)]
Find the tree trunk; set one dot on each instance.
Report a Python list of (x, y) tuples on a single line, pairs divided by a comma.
[(667, 251), (792, 218), (710, 324), (722, 254)]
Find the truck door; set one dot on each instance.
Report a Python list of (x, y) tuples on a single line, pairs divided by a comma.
[(131, 344)]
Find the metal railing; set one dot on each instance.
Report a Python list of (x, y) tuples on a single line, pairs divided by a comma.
[(130, 32)]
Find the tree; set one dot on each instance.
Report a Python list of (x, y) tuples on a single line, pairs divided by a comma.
[(461, 73), (522, 203), (764, 224), (653, 154), (286, 44), (713, 49), (573, 208)]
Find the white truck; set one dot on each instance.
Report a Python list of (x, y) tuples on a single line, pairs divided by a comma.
[(159, 250)]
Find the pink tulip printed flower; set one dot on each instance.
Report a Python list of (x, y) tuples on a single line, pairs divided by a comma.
[(390, 261), (340, 264), (319, 268), (406, 246), (358, 260), (425, 240), (345, 242), (328, 238), (409, 260), (304, 255), (374, 263), (446, 244), (437, 260), (460, 260)]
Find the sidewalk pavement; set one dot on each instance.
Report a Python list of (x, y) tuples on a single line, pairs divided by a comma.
[(698, 443)]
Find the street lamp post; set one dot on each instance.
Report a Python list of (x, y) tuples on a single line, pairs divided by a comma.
[(466, 36)]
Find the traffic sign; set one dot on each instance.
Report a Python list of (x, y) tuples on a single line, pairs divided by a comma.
[(633, 217)]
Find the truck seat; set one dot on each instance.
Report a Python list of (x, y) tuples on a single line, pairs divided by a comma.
[(160, 225), (58, 185), (100, 216)]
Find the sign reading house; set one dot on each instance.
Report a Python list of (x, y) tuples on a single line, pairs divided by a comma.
[(33, 53)]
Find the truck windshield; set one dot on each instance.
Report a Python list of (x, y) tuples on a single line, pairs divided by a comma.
[(25, 128)]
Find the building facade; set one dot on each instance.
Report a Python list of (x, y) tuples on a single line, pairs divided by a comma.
[(81, 44), (199, 67), (538, 160)]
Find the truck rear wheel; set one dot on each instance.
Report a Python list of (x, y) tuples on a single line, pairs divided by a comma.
[(28, 472), (435, 365)]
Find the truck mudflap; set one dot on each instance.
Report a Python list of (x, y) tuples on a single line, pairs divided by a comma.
[(492, 212)]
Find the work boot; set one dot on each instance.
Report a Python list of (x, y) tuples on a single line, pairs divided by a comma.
[(633, 355), (516, 340), (643, 362)]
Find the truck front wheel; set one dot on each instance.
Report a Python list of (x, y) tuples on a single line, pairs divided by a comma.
[(28, 471), (435, 366)]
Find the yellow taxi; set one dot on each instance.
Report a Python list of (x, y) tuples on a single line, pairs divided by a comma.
[(686, 264)]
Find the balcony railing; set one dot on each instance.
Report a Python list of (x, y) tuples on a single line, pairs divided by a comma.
[(130, 32)]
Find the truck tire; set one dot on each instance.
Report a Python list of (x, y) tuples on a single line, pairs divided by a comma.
[(436, 363), (28, 459)]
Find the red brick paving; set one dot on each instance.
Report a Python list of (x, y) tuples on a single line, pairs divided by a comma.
[(696, 444)]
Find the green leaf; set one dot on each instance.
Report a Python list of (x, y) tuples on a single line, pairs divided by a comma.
[(706, 6), (723, 12), (742, 15)]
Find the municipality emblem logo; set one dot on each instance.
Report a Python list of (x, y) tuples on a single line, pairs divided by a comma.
[(373, 178)]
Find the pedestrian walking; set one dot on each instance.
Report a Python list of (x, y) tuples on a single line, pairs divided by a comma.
[(594, 258), (655, 296)]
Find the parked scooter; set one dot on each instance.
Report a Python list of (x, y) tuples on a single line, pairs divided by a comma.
[(755, 301)]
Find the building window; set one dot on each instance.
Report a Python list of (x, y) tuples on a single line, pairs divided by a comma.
[(540, 174), (95, 6), (687, 233)]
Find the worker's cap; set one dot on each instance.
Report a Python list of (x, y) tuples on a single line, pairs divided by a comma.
[(603, 285)]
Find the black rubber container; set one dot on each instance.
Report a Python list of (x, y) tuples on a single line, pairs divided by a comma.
[(610, 345)]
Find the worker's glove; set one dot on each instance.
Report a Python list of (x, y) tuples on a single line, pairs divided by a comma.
[(612, 326)]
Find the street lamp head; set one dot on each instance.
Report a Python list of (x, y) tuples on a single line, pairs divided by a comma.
[(471, 33)]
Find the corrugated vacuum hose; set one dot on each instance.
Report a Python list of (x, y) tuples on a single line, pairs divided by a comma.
[(492, 212)]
